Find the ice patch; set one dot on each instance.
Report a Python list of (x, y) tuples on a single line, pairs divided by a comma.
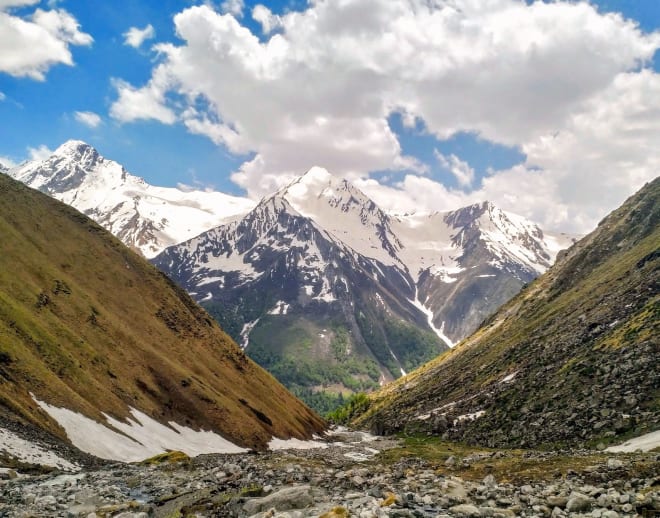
[(143, 437)]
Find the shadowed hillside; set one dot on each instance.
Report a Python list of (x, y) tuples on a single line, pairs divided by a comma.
[(90, 326)]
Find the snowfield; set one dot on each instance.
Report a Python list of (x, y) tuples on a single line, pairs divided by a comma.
[(645, 442)]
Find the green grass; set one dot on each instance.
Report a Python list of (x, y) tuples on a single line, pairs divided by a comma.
[(507, 466), (607, 283)]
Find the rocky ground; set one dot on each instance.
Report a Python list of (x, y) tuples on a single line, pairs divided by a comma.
[(356, 476)]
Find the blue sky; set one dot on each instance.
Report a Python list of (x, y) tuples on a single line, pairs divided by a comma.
[(508, 122)]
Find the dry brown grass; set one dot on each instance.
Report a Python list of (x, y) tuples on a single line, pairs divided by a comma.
[(88, 325)]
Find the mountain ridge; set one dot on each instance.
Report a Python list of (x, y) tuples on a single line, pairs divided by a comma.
[(145, 217), (90, 333), (320, 248), (568, 361)]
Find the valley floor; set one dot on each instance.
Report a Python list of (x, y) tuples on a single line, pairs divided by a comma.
[(352, 475)]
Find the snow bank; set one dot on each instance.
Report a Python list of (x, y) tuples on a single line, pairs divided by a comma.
[(645, 442), (26, 451), (140, 438), (294, 444)]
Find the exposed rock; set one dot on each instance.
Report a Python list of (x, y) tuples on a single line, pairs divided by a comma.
[(297, 497), (578, 503)]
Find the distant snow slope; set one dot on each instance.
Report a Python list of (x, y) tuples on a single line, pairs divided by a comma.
[(145, 217)]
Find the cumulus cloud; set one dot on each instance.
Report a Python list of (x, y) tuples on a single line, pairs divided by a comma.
[(7, 162), (320, 88), (461, 170), (269, 21), (234, 7), (144, 103), (7, 4), (39, 153), (91, 119), (135, 37), (30, 45)]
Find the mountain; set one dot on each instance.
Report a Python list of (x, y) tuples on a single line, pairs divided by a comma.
[(330, 293), (144, 217), (571, 360), (100, 349)]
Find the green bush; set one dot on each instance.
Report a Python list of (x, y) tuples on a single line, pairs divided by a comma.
[(356, 404)]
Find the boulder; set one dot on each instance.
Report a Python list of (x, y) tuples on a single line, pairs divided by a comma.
[(296, 497)]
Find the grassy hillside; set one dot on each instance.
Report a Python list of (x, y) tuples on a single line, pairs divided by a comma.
[(88, 325), (573, 359)]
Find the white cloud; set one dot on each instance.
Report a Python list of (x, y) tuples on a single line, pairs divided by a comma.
[(39, 153), (572, 178), (460, 169), (2, 96), (7, 4), (234, 7), (320, 88), (135, 37), (144, 103), (7, 162), (29, 46), (91, 119), (269, 21)]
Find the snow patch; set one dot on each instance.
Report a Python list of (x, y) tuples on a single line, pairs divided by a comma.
[(429, 316), (140, 438), (26, 451), (280, 308), (245, 333), (210, 280), (509, 377), (645, 442), (471, 417), (276, 444)]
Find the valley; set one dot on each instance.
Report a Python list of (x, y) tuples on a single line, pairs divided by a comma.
[(353, 474), (330, 259), (120, 396), (317, 283)]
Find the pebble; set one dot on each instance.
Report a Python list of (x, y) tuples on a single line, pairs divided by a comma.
[(324, 482)]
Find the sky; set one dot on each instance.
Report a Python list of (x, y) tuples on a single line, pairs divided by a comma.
[(550, 109)]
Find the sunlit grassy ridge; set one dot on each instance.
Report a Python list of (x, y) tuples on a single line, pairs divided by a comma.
[(89, 325)]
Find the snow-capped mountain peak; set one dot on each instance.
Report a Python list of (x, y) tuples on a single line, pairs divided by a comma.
[(345, 212), (145, 217)]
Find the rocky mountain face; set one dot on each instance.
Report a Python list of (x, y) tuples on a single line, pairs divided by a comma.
[(330, 293), (101, 350), (571, 360), (145, 217)]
